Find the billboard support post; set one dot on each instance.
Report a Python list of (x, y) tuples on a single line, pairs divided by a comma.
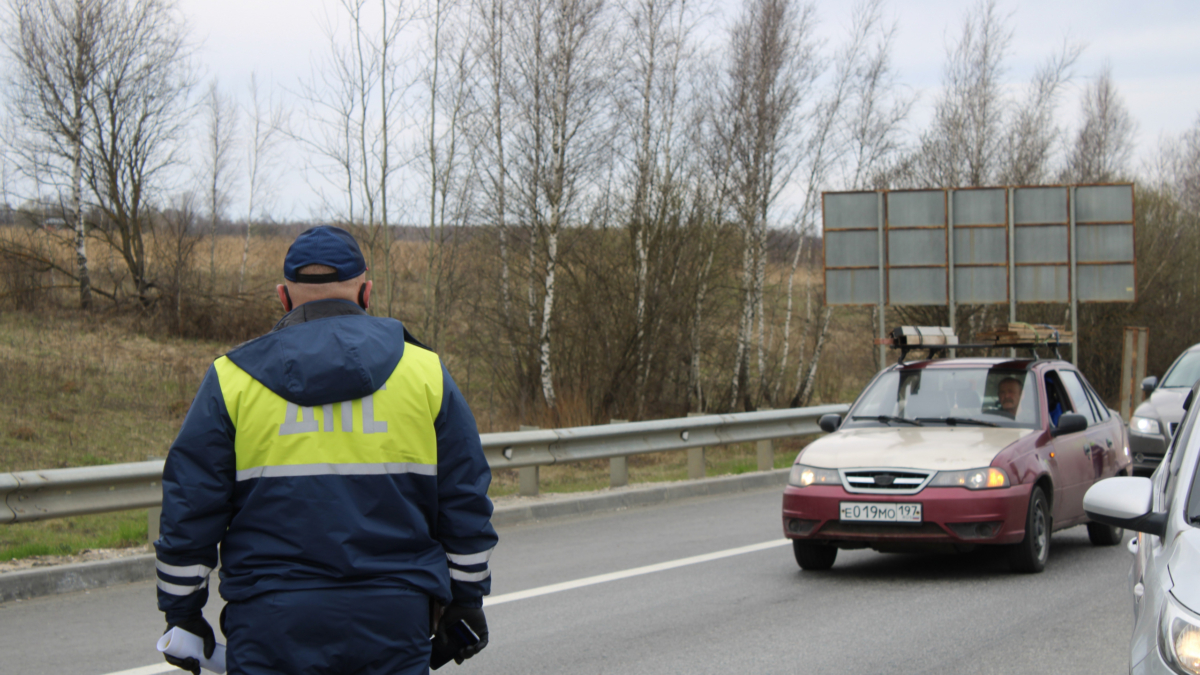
[(1012, 264), (882, 280), (1074, 282), (950, 262)]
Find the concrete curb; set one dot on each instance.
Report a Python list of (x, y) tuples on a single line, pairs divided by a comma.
[(42, 581), (57, 579)]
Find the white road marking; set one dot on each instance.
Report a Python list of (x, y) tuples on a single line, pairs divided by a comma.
[(553, 588), (637, 571), (155, 669)]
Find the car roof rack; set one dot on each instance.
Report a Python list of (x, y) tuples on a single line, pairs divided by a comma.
[(940, 339)]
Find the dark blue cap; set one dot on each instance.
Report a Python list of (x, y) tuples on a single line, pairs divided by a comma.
[(324, 245)]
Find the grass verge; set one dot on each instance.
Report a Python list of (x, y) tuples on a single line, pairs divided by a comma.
[(68, 536)]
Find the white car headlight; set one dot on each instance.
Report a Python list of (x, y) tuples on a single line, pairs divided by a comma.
[(1179, 636), (1145, 425), (803, 476)]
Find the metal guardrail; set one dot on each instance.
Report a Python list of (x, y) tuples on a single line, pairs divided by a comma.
[(511, 450), (57, 493)]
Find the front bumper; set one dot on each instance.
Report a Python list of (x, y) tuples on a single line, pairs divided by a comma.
[(950, 515), (1153, 664), (1147, 450)]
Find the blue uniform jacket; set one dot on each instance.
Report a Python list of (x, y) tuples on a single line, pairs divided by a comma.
[(329, 453)]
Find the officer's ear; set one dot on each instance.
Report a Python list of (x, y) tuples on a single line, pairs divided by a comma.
[(364, 295), (285, 298)]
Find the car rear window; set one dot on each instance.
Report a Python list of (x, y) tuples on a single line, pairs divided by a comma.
[(950, 396)]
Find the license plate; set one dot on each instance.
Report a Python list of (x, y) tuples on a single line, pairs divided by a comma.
[(880, 512)]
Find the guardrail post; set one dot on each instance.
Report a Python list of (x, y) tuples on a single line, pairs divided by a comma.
[(618, 467), (528, 475), (696, 466), (152, 520), (766, 455)]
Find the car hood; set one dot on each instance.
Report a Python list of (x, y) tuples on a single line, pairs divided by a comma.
[(1184, 567), (1164, 404), (932, 448)]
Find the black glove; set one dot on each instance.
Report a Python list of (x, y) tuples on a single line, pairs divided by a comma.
[(196, 625), (461, 634)]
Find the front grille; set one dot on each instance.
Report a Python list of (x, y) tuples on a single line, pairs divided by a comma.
[(885, 481), (835, 528)]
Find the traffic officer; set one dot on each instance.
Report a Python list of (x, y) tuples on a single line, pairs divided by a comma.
[(339, 469)]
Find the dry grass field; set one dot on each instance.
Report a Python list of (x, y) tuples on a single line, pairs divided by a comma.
[(112, 386)]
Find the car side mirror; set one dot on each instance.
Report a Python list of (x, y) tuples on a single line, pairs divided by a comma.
[(830, 423), (1149, 384), (1069, 424), (1125, 501)]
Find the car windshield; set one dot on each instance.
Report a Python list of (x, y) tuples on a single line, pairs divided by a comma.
[(1184, 372), (949, 397)]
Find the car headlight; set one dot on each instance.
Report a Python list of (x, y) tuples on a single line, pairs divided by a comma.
[(972, 479), (1145, 425), (1179, 636), (803, 476)]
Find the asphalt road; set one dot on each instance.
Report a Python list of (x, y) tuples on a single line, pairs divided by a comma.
[(639, 592)]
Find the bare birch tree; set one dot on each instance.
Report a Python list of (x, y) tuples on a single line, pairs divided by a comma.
[(1104, 143), (853, 129), (964, 145), (446, 158), (772, 66), (138, 117), (58, 48), (658, 51), (560, 61), (353, 99), (493, 16), (265, 122), (1033, 134), (220, 126)]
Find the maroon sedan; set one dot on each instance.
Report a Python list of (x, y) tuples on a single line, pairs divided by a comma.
[(953, 454)]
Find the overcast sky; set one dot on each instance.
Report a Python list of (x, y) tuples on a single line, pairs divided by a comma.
[(1152, 47)]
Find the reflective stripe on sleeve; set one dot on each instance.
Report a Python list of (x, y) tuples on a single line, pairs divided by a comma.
[(470, 558), (293, 470), (189, 571), (176, 589), (459, 575)]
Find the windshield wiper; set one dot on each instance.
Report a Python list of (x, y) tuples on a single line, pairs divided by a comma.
[(953, 421), (889, 418)]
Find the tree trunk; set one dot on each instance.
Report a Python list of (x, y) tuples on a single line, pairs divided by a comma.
[(547, 314), (806, 392)]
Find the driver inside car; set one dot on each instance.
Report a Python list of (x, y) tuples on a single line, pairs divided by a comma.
[(1009, 393)]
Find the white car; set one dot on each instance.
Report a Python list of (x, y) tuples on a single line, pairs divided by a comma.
[(1165, 579)]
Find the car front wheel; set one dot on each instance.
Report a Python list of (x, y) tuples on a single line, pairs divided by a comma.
[(814, 556), (1031, 554), (1104, 535)]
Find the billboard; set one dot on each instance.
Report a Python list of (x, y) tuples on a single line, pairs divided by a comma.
[(980, 245)]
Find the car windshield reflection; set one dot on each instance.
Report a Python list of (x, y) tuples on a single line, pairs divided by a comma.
[(967, 397), (1184, 372)]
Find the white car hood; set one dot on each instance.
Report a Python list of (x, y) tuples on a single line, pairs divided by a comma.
[(937, 448), (1184, 567)]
